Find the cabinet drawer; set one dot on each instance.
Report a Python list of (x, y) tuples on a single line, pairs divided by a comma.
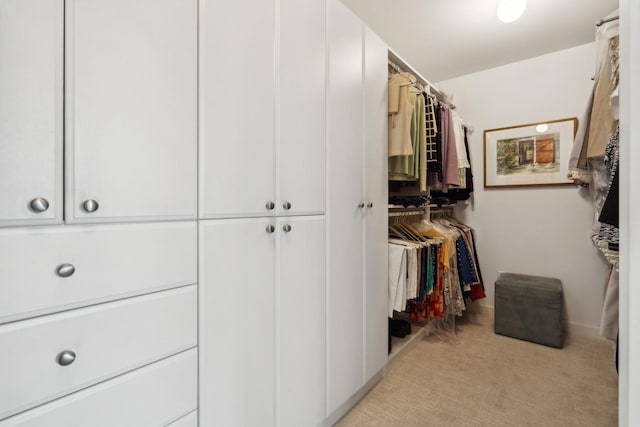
[(107, 340), (150, 396), (110, 261)]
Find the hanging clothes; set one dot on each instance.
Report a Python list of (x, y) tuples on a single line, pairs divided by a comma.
[(446, 268), (461, 153), (397, 278), (594, 162), (462, 193), (610, 209), (610, 308), (400, 110), (450, 160), (602, 122)]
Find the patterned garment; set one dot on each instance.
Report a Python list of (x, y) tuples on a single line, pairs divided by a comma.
[(609, 232)]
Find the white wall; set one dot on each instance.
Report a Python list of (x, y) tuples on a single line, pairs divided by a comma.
[(543, 231)]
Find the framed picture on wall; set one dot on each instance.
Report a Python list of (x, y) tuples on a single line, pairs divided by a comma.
[(527, 155)]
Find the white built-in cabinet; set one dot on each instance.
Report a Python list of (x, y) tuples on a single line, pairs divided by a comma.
[(262, 321), (262, 108), (262, 203), (209, 184), (130, 109), (130, 102), (357, 204), (98, 322), (31, 85)]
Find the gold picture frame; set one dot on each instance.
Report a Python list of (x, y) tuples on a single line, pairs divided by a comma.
[(535, 154)]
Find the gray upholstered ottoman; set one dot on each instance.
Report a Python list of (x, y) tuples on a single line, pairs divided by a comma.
[(529, 308)]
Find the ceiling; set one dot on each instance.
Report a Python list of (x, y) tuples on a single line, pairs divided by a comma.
[(443, 39)]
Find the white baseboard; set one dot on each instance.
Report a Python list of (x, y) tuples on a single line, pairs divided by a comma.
[(581, 330), (570, 328), (342, 410)]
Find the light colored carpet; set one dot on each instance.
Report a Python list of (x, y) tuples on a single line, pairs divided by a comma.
[(478, 378)]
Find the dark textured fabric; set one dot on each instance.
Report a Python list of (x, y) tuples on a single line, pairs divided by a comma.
[(424, 259), (466, 269), (477, 291), (610, 210), (529, 308)]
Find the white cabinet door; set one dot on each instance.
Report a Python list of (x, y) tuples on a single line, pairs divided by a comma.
[(131, 109), (376, 340), (301, 362), (302, 107), (237, 108), (237, 328), (345, 210), (31, 81)]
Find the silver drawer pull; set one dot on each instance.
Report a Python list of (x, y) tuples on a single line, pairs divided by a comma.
[(39, 204), (286, 206), (66, 358), (369, 205), (270, 228), (361, 205), (286, 228), (270, 205), (90, 205), (65, 270)]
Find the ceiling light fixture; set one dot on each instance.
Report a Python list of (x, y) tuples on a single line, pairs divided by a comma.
[(511, 10), (542, 128)]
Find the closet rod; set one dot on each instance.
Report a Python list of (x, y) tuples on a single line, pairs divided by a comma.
[(407, 211), (441, 212), (601, 22), (400, 65)]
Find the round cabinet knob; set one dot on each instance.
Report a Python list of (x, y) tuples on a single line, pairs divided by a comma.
[(286, 228), (90, 205), (286, 205), (66, 358), (270, 228), (65, 270), (39, 204), (361, 205), (369, 205), (270, 205)]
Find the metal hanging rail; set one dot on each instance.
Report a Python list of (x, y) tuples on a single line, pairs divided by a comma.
[(399, 64), (603, 21)]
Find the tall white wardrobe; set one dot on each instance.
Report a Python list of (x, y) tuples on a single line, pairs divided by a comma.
[(193, 212)]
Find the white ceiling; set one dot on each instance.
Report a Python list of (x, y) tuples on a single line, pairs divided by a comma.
[(443, 39)]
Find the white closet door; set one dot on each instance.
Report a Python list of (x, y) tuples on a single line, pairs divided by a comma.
[(237, 323), (376, 195), (301, 323), (237, 108), (345, 293), (31, 111), (302, 107), (131, 109)]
